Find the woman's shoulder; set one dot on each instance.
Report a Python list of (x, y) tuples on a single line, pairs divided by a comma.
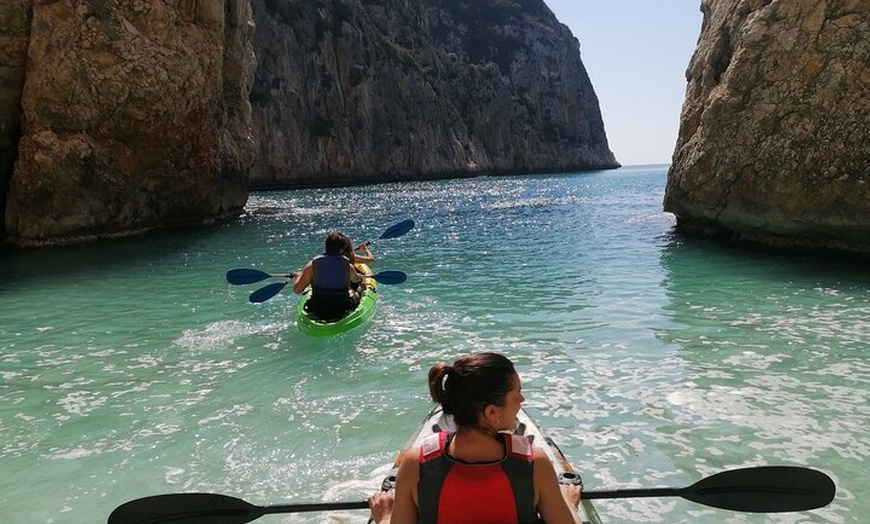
[(542, 460), (410, 456), (540, 454)]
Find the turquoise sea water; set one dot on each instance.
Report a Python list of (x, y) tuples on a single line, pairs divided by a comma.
[(132, 368)]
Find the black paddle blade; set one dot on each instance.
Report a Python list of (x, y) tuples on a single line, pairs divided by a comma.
[(391, 277), (185, 508), (397, 230), (266, 292), (764, 489), (241, 276)]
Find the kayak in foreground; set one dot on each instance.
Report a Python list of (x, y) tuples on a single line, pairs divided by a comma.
[(356, 318), (759, 489), (436, 421)]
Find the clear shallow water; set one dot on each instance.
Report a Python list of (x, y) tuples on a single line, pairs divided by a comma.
[(132, 368)]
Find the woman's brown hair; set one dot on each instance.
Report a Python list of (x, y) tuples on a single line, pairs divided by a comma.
[(470, 384)]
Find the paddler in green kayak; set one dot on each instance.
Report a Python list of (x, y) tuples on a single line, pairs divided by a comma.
[(333, 279)]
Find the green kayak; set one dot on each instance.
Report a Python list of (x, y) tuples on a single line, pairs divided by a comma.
[(356, 318)]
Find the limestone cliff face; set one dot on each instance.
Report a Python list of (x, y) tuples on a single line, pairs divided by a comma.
[(774, 143), (14, 37), (133, 115), (356, 91), (117, 117)]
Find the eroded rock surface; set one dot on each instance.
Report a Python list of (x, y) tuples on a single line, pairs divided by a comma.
[(135, 115), (774, 142), (390, 90), (120, 116)]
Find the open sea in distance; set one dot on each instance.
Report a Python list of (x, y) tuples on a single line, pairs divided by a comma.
[(132, 368)]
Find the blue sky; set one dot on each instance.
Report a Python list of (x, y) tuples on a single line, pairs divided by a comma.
[(636, 53)]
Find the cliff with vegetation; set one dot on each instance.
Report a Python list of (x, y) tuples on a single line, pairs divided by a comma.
[(774, 142), (390, 90)]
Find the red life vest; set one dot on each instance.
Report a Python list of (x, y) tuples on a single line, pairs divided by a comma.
[(453, 492)]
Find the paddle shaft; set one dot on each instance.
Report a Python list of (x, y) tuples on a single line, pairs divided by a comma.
[(241, 276), (362, 504), (317, 506), (633, 493), (587, 495), (383, 277)]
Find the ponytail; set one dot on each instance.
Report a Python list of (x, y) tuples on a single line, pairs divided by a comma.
[(438, 376)]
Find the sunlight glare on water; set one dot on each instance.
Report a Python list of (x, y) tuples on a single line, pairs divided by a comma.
[(132, 368)]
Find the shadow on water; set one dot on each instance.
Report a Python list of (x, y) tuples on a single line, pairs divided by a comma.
[(769, 363), (724, 302), (20, 267)]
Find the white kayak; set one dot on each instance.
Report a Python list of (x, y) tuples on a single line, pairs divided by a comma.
[(436, 421)]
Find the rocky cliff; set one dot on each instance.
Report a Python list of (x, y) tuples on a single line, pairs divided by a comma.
[(14, 37), (774, 142), (122, 116), (117, 117), (356, 91)]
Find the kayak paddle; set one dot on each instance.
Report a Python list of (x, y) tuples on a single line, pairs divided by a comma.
[(390, 277), (266, 292), (763, 489), (241, 276), (208, 508), (396, 230)]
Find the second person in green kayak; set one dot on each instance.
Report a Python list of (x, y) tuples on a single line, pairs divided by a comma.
[(333, 279)]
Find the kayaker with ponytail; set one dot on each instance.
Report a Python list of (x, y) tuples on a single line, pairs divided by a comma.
[(333, 280), (476, 474), (365, 258)]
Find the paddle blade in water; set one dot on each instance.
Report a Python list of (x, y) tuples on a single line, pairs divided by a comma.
[(397, 230), (390, 277), (187, 508), (764, 489), (265, 293), (240, 276), (209, 508)]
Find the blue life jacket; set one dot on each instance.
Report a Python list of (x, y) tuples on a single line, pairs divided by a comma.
[(331, 275)]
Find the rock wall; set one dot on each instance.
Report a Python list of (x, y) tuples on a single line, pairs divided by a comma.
[(118, 117), (356, 91), (14, 37), (134, 115), (774, 141)]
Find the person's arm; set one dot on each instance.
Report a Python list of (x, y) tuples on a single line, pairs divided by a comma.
[(403, 509), (303, 278), (381, 504), (366, 257), (553, 500)]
